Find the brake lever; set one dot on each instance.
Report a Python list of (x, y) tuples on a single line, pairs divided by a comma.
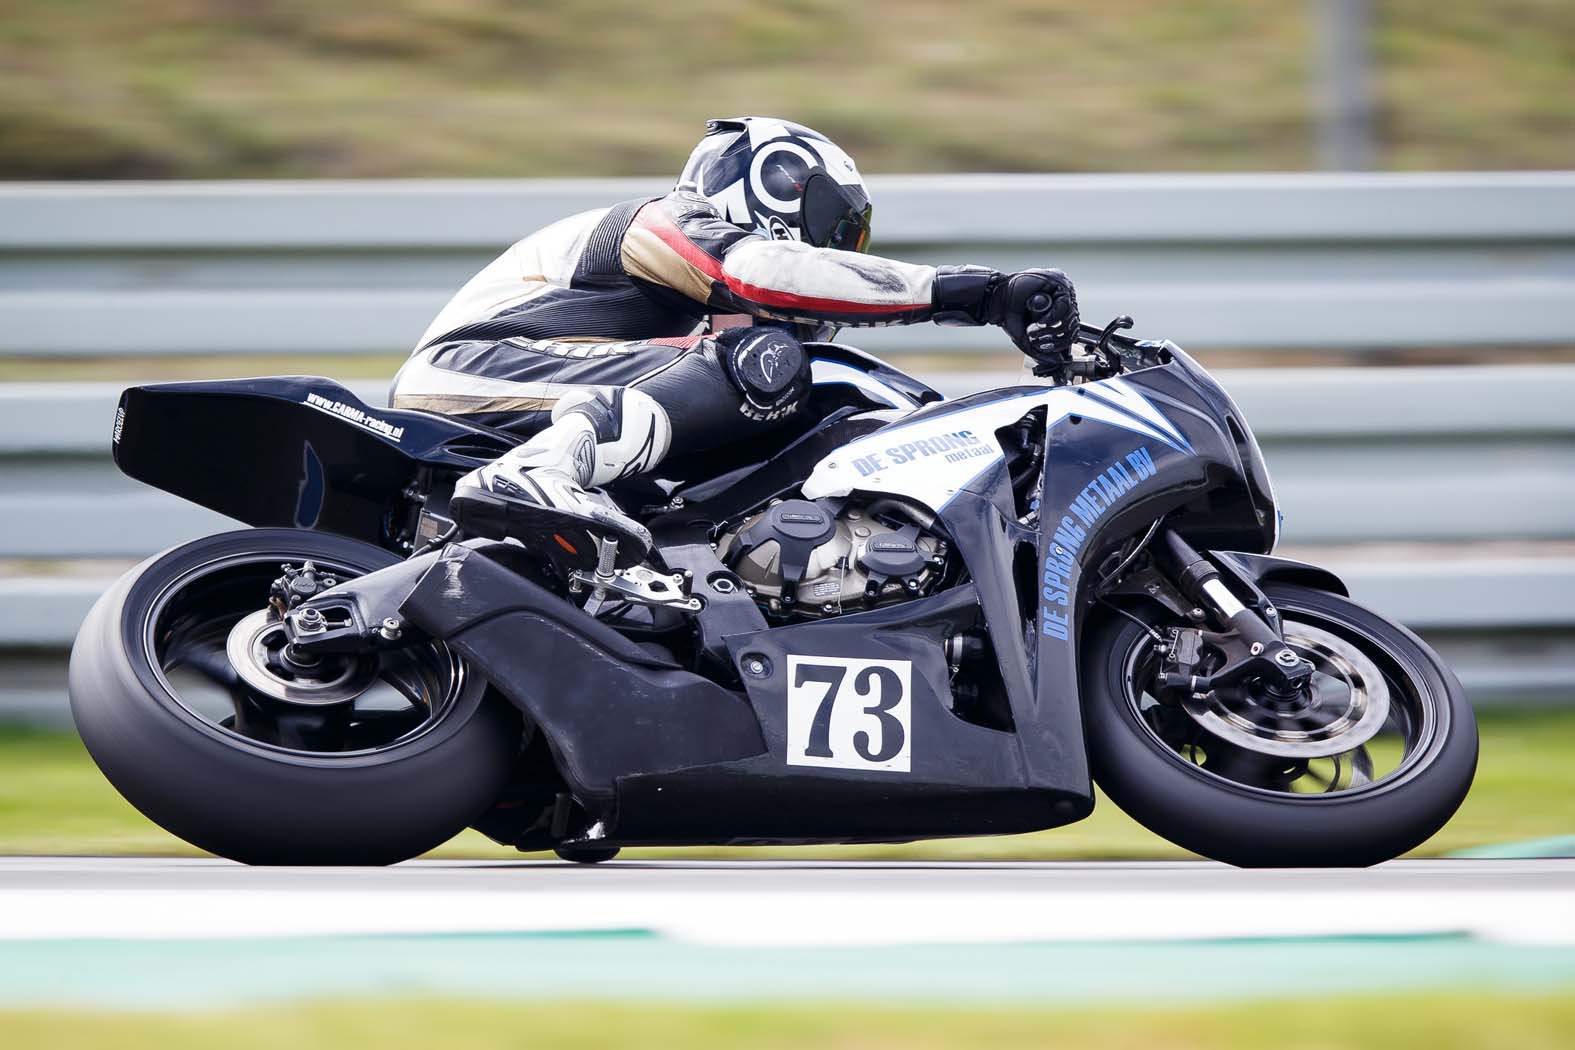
[(1116, 324), (1065, 368)]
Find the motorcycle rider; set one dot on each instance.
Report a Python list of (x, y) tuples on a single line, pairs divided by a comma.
[(614, 336)]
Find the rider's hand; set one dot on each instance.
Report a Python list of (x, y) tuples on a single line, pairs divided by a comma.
[(1038, 309)]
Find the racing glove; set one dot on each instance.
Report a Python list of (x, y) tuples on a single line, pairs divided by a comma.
[(1036, 308)]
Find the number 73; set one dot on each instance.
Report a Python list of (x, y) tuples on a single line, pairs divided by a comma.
[(849, 714)]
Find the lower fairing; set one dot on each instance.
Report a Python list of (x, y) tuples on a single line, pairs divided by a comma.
[(656, 754)]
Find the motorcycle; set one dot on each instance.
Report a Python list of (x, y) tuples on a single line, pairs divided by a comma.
[(897, 618)]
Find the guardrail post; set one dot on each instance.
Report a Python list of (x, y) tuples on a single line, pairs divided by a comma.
[(1344, 88)]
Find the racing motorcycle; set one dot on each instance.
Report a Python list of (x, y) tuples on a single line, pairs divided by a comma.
[(899, 618)]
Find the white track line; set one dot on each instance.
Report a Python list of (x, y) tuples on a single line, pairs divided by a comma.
[(870, 916)]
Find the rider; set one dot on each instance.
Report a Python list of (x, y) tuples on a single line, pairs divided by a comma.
[(616, 335)]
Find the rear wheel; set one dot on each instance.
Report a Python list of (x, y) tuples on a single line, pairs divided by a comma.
[(178, 694), (1375, 763)]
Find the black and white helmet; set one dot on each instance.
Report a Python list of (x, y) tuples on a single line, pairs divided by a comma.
[(782, 179)]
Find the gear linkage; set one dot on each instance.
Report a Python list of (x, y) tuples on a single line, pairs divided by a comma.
[(638, 584)]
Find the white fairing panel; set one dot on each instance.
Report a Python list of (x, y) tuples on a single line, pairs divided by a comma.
[(933, 458), (829, 373)]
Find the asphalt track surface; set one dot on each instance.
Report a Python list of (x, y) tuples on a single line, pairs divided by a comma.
[(141, 932), (1062, 878)]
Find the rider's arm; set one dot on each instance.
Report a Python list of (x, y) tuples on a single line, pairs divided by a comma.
[(681, 242)]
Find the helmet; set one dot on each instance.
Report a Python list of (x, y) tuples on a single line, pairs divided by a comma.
[(781, 179)]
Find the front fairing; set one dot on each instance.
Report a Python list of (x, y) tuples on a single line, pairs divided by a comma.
[(1163, 441), (1245, 503)]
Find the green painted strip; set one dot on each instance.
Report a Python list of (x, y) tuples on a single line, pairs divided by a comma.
[(184, 974), (1558, 846)]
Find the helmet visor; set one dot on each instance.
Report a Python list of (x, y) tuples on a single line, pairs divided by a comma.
[(834, 216)]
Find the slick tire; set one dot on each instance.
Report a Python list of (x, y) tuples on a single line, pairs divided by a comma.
[(1254, 827), (257, 803)]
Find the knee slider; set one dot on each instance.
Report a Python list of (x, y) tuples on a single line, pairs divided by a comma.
[(768, 367)]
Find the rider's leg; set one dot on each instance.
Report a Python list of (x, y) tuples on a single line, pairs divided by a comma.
[(539, 492), (712, 392)]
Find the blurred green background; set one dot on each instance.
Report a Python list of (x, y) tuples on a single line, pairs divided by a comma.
[(104, 89), (1425, 1022)]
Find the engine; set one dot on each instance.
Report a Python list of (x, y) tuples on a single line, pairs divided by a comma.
[(823, 557)]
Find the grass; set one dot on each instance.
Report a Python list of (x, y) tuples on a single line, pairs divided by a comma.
[(53, 801), (191, 88), (1434, 1022)]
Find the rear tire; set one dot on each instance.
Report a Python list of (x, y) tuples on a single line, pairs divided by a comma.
[(253, 801), (1257, 827)]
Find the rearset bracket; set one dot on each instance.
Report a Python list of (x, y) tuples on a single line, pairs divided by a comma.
[(639, 584)]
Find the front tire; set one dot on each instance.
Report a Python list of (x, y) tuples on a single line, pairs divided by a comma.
[(381, 787), (1248, 810)]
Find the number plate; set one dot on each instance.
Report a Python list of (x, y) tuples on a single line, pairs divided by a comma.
[(850, 714)]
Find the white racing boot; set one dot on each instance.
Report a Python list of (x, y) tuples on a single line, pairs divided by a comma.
[(539, 493)]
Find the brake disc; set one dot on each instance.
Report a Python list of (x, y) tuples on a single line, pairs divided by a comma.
[(1346, 704), (253, 646)]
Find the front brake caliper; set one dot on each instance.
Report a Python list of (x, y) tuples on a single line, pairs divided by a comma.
[(1178, 669)]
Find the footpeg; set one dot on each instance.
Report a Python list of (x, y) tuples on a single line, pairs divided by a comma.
[(639, 584)]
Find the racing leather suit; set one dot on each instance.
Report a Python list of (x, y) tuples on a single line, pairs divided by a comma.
[(625, 297), (609, 338)]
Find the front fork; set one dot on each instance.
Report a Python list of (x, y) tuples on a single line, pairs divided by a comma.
[(1249, 639)]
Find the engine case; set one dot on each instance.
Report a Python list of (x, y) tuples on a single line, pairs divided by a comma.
[(814, 559)]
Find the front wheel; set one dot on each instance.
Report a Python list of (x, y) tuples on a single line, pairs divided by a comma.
[(1239, 786), (356, 761)]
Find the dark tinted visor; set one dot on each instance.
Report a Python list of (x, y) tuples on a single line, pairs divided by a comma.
[(834, 216)]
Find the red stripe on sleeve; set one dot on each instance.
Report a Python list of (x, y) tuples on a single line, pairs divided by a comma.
[(653, 218), (772, 297)]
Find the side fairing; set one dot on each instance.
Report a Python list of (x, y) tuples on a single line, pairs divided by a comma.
[(937, 452)]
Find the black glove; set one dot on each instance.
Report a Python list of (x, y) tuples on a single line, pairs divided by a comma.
[(1037, 308)]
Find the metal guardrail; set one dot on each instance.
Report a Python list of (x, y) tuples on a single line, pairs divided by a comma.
[(1213, 261), (1348, 262), (1357, 455), (1451, 454)]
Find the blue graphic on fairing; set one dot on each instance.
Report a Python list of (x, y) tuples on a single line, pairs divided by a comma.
[(312, 490), (952, 446), (1120, 395), (1108, 485)]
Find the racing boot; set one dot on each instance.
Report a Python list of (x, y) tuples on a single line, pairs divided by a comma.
[(543, 492)]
